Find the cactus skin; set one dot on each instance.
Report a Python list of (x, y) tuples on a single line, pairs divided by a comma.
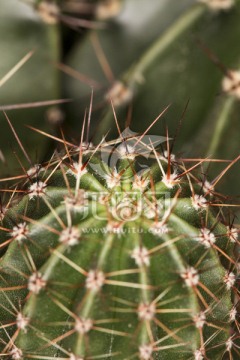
[(125, 267)]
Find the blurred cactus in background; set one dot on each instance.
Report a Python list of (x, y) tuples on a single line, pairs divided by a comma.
[(28, 49), (149, 57), (143, 56)]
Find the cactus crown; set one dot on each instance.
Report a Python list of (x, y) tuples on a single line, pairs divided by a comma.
[(117, 251)]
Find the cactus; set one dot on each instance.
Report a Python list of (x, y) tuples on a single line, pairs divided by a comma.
[(117, 251), (122, 249)]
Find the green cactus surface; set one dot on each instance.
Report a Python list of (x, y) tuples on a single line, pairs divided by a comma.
[(119, 251)]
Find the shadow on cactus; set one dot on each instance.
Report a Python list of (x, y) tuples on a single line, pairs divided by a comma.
[(119, 250)]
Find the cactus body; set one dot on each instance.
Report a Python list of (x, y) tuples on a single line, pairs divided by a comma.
[(108, 254)]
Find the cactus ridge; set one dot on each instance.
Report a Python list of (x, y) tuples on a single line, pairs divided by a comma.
[(109, 254)]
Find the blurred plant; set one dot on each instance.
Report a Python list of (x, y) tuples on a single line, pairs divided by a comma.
[(140, 57)]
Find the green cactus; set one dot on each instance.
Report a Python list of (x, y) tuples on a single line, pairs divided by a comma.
[(117, 251), (123, 250)]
